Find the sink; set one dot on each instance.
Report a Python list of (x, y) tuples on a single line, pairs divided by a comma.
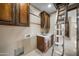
[(44, 34)]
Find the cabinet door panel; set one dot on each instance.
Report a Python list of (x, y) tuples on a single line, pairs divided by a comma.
[(67, 29), (6, 13), (45, 21), (14, 14), (42, 20), (22, 14)]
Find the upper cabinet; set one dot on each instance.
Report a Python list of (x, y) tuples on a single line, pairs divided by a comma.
[(45, 21), (6, 13), (22, 14), (14, 14)]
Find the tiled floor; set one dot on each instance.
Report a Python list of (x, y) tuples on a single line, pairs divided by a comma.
[(70, 47), (70, 50), (36, 52)]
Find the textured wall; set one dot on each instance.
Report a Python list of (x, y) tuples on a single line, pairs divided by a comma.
[(73, 29), (11, 37), (52, 23)]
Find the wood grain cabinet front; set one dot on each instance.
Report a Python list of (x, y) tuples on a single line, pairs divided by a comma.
[(22, 14), (7, 14), (67, 29), (45, 21), (44, 45), (14, 14)]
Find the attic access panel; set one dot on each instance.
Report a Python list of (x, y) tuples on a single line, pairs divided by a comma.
[(57, 5)]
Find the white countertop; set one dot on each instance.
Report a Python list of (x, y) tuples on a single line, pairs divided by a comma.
[(47, 35)]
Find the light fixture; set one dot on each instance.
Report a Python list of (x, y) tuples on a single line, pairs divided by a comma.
[(49, 5)]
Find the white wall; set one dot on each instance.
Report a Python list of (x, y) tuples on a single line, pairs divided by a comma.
[(11, 36), (34, 25), (35, 21), (73, 29), (52, 23), (72, 21)]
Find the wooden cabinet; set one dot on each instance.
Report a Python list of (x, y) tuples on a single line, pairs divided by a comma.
[(67, 29), (43, 43), (45, 21), (7, 13), (77, 34), (22, 14), (14, 14), (77, 15)]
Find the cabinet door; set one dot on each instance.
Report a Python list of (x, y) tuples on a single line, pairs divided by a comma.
[(67, 29), (77, 37), (42, 20), (45, 20), (77, 31), (7, 13), (22, 14)]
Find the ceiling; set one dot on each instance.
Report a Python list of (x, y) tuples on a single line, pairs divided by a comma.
[(44, 7)]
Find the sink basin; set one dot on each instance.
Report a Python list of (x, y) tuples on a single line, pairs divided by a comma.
[(45, 35)]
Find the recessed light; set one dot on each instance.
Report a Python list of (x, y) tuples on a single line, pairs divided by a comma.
[(49, 5)]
